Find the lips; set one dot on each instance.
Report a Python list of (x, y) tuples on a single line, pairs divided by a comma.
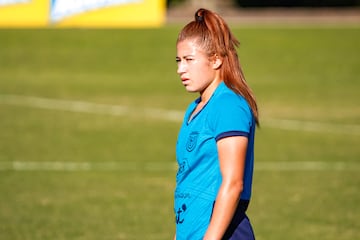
[(185, 81)]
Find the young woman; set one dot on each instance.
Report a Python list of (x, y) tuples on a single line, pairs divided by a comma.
[(215, 147)]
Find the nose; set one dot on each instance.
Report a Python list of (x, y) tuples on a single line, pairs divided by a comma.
[(180, 68)]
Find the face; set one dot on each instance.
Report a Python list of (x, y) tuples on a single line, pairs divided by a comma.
[(197, 72)]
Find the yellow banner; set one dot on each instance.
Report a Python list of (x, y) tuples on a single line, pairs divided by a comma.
[(31, 13), (82, 13)]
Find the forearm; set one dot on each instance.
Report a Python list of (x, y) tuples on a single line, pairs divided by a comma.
[(225, 206), (232, 157)]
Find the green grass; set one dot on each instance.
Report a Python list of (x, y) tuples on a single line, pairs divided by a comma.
[(302, 74)]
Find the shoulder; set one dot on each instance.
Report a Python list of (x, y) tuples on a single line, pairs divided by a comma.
[(227, 100), (230, 112)]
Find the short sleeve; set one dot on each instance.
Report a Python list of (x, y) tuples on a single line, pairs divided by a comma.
[(232, 116)]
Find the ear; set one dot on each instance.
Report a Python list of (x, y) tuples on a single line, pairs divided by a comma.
[(217, 62)]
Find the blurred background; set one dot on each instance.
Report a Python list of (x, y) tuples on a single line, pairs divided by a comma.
[(152, 13), (90, 107)]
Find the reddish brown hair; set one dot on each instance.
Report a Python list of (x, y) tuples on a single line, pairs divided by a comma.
[(214, 36)]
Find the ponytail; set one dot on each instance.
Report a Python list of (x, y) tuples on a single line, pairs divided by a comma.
[(214, 36)]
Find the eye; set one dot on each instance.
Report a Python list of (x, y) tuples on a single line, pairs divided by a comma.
[(177, 60)]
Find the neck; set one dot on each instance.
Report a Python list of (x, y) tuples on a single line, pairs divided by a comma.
[(209, 90)]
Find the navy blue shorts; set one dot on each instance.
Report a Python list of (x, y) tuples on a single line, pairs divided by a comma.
[(240, 227)]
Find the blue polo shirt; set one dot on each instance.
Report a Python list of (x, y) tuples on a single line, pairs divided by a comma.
[(199, 178)]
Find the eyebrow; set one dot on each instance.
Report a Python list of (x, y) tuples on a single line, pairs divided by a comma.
[(186, 56)]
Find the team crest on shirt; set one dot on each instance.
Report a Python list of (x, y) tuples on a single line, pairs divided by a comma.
[(191, 141)]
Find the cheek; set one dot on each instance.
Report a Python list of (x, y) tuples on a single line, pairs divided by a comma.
[(205, 73), (200, 68)]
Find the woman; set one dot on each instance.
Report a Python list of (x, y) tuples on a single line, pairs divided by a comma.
[(216, 141)]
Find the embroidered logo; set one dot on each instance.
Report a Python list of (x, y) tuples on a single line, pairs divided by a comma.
[(191, 142), (182, 167)]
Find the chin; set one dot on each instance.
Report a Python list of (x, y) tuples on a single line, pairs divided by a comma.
[(190, 90)]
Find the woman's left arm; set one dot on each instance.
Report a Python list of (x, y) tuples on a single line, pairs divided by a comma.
[(232, 155)]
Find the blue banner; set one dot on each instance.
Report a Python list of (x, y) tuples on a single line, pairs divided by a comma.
[(61, 9), (10, 2)]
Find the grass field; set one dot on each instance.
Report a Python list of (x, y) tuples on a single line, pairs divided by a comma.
[(87, 151)]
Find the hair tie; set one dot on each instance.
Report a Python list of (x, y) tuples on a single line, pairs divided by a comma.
[(199, 18), (199, 15)]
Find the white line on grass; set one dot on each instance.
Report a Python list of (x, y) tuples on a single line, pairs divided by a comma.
[(311, 126), (85, 166), (307, 166), (87, 107), (166, 166), (163, 114)]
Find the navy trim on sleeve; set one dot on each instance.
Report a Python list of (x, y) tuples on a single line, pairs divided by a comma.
[(231, 134)]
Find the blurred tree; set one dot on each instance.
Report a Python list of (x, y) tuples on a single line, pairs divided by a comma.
[(210, 4), (214, 4), (171, 3), (297, 3)]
